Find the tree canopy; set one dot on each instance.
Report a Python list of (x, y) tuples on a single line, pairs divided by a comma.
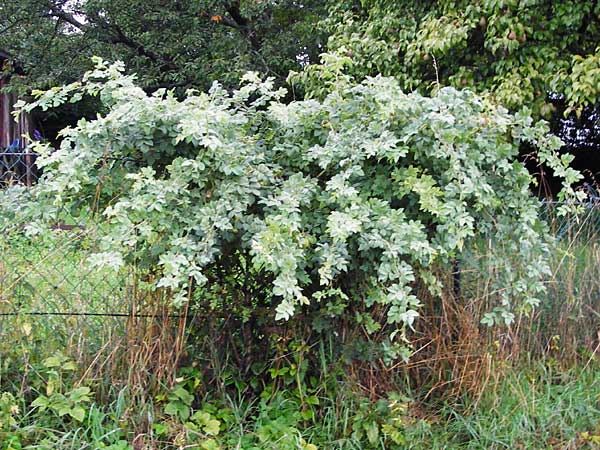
[(516, 51), (168, 43)]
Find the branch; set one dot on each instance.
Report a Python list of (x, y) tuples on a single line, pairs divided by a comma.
[(115, 36), (122, 38), (242, 23), (69, 18), (233, 9), (9, 27)]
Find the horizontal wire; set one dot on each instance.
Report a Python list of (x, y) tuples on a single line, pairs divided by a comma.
[(41, 313)]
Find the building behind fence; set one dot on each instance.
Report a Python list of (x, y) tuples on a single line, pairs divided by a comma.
[(17, 163)]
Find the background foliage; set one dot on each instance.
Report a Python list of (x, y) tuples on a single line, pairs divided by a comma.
[(514, 51), (174, 43)]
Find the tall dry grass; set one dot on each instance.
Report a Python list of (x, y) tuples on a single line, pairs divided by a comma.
[(455, 354)]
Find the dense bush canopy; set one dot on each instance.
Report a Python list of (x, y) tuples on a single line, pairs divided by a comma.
[(354, 200)]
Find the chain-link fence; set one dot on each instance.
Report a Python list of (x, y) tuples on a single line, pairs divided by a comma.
[(581, 223), (47, 286), (54, 299), (18, 167)]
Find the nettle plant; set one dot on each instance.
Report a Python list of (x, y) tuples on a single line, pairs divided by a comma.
[(359, 197)]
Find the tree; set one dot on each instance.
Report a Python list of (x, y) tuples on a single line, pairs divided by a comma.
[(515, 51), (168, 43)]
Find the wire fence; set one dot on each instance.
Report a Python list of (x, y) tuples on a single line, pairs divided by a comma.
[(55, 269), (18, 167), (52, 298), (50, 295), (49, 276), (581, 223)]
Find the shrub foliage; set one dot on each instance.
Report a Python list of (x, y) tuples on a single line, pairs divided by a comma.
[(341, 206)]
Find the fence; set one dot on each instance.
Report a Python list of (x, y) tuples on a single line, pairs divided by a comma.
[(52, 300), (49, 292), (580, 224), (18, 167)]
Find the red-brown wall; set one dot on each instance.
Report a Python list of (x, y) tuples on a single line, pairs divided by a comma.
[(9, 128)]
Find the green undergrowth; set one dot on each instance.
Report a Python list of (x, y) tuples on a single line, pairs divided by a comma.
[(523, 407)]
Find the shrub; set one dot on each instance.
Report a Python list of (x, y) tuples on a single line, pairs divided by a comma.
[(343, 206)]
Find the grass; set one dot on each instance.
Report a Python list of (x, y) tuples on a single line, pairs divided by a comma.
[(535, 407)]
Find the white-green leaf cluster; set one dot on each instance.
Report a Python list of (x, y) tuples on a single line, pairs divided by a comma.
[(365, 193)]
